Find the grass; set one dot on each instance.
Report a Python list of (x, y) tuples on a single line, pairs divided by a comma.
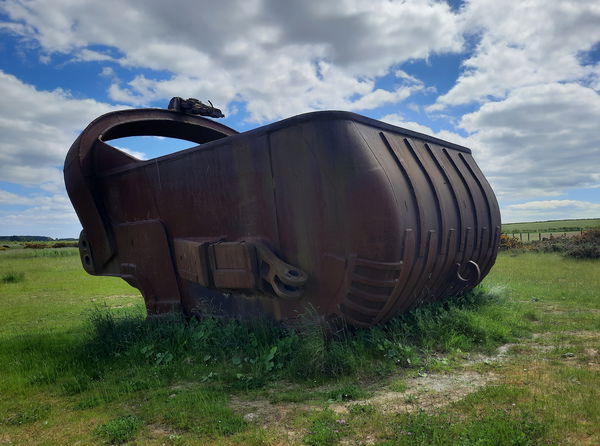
[(495, 427), (80, 363), (248, 355), (575, 225), (200, 411), (119, 430), (18, 253), (29, 413), (325, 428), (398, 385), (347, 392), (12, 277)]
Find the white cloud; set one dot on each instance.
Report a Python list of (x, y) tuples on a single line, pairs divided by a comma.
[(397, 119), (107, 72), (550, 210), (540, 141), (87, 55), (533, 131), (37, 129), (10, 198), (38, 200), (135, 154), (281, 58), (554, 204), (50, 215), (524, 43), (400, 74)]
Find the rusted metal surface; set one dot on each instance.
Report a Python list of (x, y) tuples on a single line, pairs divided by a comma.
[(354, 218)]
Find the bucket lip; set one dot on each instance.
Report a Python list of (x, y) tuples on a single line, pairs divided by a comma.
[(321, 115), (315, 116), (324, 115)]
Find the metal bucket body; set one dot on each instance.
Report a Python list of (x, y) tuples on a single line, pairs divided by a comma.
[(348, 216)]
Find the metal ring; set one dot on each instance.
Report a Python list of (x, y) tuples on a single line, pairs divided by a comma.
[(474, 266)]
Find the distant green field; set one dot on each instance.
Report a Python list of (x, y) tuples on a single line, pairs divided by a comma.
[(552, 226)]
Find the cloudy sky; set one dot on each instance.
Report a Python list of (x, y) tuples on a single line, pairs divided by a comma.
[(517, 81)]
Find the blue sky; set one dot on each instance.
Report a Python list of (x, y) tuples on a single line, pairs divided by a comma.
[(518, 82)]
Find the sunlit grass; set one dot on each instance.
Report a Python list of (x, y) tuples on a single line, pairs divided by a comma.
[(79, 362)]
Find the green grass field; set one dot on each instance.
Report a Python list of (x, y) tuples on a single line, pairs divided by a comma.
[(552, 226), (79, 364)]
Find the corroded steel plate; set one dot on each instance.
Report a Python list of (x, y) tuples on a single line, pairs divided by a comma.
[(351, 217)]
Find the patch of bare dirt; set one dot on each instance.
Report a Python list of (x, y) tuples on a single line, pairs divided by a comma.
[(183, 385), (425, 392), (277, 416), (110, 299), (539, 343), (122, 305), (115, 296), (158, 430), (581, 334), (591, 352), (263, 410)]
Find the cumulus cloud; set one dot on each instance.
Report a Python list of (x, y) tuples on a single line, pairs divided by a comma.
[(540, 141), (536, 42), (10, 198), (535, 133), (281, 58), (87, 55), (529, 79), (37, 129), (53, 215), (551, 210), (398, 119), (554, 204), (135, 154)]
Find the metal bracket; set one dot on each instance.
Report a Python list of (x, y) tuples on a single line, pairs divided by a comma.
[(286, 280)]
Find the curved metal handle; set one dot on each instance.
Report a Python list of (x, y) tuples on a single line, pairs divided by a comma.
[(473, 266), (156, 122), (89, 155)]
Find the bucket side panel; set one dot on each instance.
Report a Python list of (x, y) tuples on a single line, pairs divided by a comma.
[(222, 193), (334, 204)]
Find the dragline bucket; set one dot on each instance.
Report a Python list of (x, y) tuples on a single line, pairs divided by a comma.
[(353, 218)]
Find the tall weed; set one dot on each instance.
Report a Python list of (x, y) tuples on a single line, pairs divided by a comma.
[(12, 277), (248, 353), (47, 252)]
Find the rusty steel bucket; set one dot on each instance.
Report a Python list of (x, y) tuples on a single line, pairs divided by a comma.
[(354, 218)]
